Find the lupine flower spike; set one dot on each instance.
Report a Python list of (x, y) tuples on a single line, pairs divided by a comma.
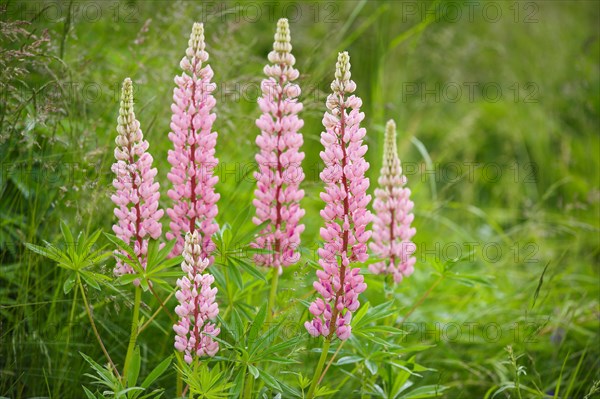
[(392, 233), (197, 306), (279, 159), (136, 197), (193, 156), (345, 213)]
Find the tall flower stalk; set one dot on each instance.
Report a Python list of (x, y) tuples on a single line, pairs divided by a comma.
[(277, 195), (193, 156), (136, 198), (392, 231), (345, 214), (197, 306)]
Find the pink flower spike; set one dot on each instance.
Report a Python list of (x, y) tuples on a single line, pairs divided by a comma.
[(136, 197), (392, 232), (279, 160), (193, 156), (194, 331), (345, 213)]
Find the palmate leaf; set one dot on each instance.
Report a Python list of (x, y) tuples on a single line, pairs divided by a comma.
[(51, 252), (132, 258), (76, 257), (68, 238), (158, 265), (209, 383), (104, 375)]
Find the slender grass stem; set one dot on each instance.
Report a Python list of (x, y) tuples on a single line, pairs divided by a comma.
[(423, 297), (134, 331), (331, 361), (272, 296), (147, 323), (317, 377), (89, 313), (68, 340), (161, 303)]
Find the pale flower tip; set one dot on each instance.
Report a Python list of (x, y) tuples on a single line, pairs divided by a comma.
[(282, 24), (127, 92), (342, 83), (282, 43), (196, 42), (390, 126), (197, 30)]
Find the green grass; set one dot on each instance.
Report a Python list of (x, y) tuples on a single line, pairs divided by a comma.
[(543, 209)]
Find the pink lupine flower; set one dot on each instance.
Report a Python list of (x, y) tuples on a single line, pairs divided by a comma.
[(392, 233), (279, 160), (136, 197), (193, 157), (345, 213), (197, 306)]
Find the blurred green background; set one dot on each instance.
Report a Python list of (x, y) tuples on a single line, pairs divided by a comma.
[(497, 106)]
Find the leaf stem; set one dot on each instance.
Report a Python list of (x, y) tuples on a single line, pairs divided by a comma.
[(134, 331), (89, 313), (316, 379)]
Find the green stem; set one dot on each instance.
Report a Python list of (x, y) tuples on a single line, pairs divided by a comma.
[(134, 331), (272, 296), (248, 386), (179, 385), (317, 376), (89, 313), (243, 371)]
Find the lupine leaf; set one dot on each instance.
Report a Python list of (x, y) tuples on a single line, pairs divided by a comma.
[(157, 372), (248, 268), (69, 283)]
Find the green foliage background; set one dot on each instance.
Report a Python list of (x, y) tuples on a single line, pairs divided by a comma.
[(503, 187)]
